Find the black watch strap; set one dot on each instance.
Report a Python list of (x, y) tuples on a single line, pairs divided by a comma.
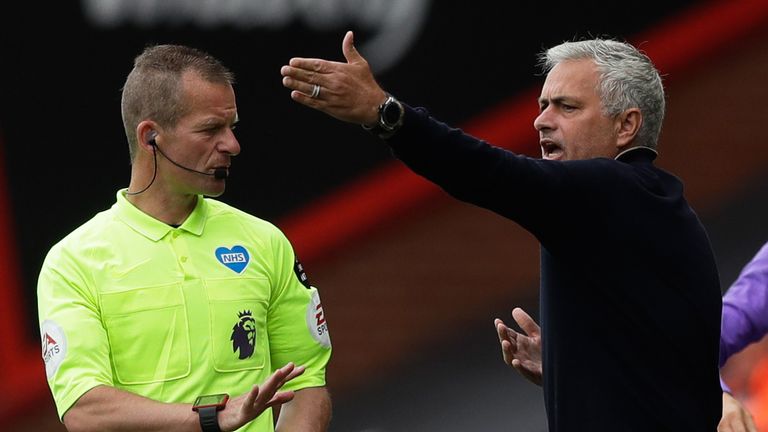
[(209, 419)]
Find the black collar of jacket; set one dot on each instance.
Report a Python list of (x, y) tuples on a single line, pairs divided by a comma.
[(637, 154)]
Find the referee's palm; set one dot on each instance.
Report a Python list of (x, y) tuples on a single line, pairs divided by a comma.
[(246, 407)]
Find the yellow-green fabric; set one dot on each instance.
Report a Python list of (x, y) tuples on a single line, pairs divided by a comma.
[(130, 302)]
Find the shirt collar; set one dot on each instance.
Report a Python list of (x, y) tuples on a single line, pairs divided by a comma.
[(154, 229), (639, 152)]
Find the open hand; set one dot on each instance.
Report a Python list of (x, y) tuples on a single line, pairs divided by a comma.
[(250, 405), (347, 90), (522, 351)]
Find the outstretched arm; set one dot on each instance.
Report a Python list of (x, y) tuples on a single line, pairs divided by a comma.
[(522, 351), (348, 90)]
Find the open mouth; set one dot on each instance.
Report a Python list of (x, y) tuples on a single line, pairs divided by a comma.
[(551, 150), (220, 172)]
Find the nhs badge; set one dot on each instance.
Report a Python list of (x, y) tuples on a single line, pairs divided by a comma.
[(236, 259)]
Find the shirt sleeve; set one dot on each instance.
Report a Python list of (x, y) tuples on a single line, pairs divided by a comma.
[(74, 343), (745, 307), (530, 191), (298, 331)]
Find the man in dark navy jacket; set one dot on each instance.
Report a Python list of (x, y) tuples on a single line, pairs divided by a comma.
[(630, 295)]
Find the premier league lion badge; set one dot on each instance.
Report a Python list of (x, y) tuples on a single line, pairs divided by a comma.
[(244, 335)]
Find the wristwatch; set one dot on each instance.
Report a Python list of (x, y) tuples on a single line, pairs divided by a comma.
[(391, 113), (208, 407)]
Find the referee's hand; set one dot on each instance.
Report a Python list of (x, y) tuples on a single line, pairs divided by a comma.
[(250, 405)]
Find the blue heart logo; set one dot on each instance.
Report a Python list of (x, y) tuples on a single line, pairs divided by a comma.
[(236, 259)]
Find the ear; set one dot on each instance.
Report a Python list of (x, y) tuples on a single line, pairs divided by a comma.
[(145, 132), (628, 124)]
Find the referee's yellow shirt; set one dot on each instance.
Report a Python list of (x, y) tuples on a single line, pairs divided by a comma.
[(213, 306)]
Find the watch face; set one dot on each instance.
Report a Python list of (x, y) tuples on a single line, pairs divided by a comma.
[(217, 400), (391, 113)]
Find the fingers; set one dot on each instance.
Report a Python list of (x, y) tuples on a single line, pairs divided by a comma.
[(501, 329), (262, 394), (303, 82), (311, 70), (280, 398), (310, 65), (525, 322), (250, 397), (297, 86), (349, 50), (248, 406), (507, 340), (259, 393), (280, 377), (277, 380), (324, 66), (302, 92), (302, 75), (508, 350), (294, 76), (504, 333), (294, 373)]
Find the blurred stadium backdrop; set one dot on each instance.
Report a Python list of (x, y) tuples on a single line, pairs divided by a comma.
[(410, 279)]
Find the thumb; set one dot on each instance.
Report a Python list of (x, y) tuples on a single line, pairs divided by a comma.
[(349, 50)]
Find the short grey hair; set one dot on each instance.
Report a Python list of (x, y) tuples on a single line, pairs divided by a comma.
[(153, 89), (628, 79)]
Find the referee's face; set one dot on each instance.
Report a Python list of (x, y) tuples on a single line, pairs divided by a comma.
[(571, 123), (203, 139)]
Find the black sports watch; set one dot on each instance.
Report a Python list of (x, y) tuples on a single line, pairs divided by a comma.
[(208, 407), (391, 113)]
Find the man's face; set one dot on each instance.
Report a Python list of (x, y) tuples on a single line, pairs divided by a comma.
[(202, 139), (571, 124)]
